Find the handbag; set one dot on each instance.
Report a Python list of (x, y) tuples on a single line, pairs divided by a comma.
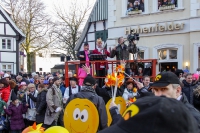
[(31, 112)]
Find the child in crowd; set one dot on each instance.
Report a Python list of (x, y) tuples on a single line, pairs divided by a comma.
[(16, 110), (22, 90)]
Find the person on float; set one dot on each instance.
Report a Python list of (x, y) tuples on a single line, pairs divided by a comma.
[(101, 67), (83, 56)]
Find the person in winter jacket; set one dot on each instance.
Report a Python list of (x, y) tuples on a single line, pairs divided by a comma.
[(88, 92), (4, 89), (196, 97), (188, 87), (13, 86), (41, 103), (22, 91), (54, 111), (15, 110), (169, 86), (27, 99), (166, 84), (130, 91), (20, 79)]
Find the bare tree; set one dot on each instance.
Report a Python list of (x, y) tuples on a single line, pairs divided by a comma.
[(30, 17), (69, 24)]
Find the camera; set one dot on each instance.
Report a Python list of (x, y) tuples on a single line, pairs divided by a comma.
[(131, 37)]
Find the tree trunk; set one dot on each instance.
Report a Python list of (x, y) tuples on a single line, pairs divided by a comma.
[(29, 62)]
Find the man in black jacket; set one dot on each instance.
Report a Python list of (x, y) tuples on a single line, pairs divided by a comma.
[(167, 84), (88, 92), (188, 87), (122, 52)]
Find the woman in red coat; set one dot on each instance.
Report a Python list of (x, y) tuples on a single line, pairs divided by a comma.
[(4, 89)]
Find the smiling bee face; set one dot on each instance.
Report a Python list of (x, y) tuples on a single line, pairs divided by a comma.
[(121, 104), (81, 116)]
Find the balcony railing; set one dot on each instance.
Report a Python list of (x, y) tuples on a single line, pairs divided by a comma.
[(111, 69)]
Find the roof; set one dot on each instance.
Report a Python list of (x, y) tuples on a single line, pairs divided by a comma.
[(6, 13), (62, 66), (98, 13)]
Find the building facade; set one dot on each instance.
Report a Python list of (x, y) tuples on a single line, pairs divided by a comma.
[(169, 33), (96, 26), (10, 39)]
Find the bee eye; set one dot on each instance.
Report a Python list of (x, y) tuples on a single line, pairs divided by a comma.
[(84, 115), (76, 114)]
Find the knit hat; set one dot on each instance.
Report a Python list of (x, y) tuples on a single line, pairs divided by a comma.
[(6, 75), (89, 81), (50, 78), (152, 114), (23, 83), (13, 96), (1, 73)]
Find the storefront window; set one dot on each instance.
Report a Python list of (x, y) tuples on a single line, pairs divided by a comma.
[(166, 54), (172, 54), (162, 54)]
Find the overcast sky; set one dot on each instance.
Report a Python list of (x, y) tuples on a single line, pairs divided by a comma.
[(64, 3)]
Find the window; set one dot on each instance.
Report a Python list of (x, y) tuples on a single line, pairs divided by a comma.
[(135, 7), (6, 44), (7, 68), (101, 34), (55, 55), (166, 54), (40, 69), (167, 4)]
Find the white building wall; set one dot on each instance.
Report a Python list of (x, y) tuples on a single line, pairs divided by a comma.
[(91, 28), (9, 30), (8, 57), (1, 28), (99, 26), (2, 19), (46, 63), (91, 37)]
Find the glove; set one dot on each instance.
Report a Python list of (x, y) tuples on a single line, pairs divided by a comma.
[(58, 109)]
